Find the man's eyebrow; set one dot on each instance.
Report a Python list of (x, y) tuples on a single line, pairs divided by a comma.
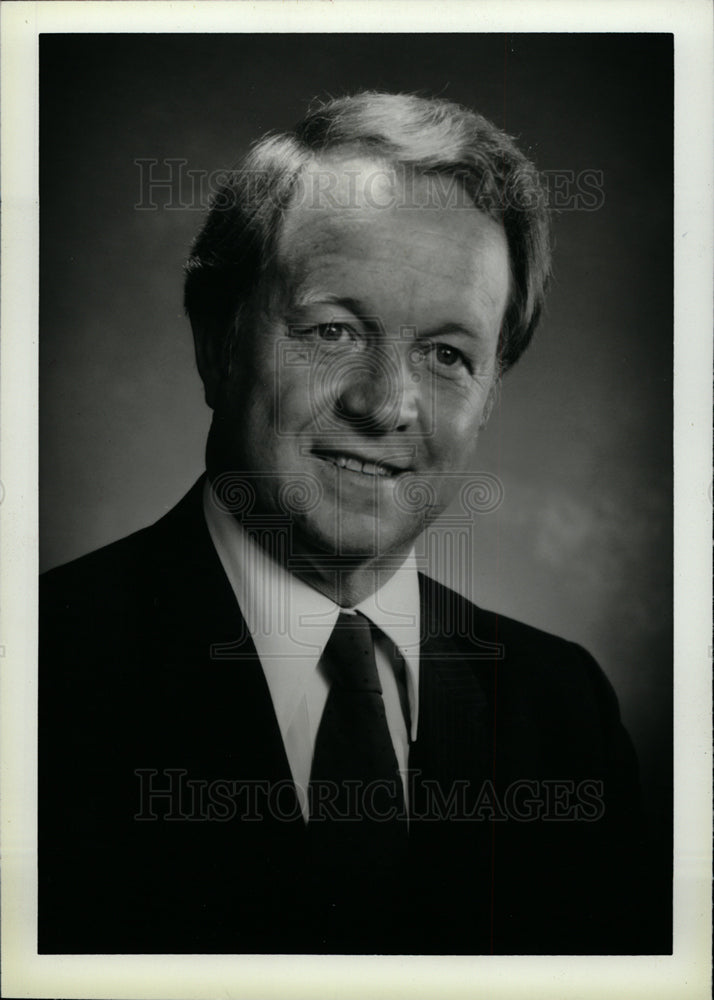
[(316, 297), (361, 312), (444, 329)]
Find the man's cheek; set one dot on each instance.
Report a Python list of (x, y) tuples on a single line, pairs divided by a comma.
[(294, 401), (455, 437)]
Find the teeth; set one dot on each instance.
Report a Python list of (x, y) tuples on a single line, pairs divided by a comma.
[(355, 465)]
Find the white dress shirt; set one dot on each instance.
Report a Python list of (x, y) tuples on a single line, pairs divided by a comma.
[(290, 624)]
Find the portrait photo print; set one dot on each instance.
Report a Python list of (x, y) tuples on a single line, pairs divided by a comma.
[(355, 404)]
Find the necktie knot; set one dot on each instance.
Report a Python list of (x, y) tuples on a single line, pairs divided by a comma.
[(348, 659)]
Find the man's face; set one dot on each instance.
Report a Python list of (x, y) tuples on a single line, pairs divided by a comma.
[(355, 399)]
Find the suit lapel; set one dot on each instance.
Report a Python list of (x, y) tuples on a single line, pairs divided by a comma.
[(456, 682), (236, 732)]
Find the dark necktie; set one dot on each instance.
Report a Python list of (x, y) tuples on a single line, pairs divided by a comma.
[(357, 829)]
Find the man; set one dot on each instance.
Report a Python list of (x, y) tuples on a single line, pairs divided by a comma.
[(261, 730)]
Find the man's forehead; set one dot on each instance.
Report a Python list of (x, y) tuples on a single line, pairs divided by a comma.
[(355, 208)]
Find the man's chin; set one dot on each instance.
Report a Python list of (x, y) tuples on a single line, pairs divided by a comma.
[(358, 542)]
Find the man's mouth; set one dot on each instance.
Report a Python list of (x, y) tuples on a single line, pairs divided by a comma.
[(356, 463)]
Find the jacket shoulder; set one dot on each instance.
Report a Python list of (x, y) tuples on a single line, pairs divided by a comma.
[(99, 565), (455, 613), (540, 666), (124, 570)]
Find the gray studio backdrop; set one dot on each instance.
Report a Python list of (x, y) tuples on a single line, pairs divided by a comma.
[(581, 440)]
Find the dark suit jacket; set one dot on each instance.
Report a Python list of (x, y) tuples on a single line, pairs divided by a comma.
[(525, 836)]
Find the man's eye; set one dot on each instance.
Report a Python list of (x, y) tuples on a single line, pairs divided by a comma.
[(439, 355), (331, 333), (334, 332), (446, 355)]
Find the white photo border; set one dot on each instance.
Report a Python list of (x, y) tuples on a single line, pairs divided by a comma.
[(687, 971)]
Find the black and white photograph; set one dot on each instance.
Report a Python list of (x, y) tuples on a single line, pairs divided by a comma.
[(355, 494)]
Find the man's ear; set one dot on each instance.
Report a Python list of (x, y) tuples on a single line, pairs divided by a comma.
[(209, 349)]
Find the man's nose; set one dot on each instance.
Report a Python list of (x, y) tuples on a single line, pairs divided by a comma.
[(375, 392)]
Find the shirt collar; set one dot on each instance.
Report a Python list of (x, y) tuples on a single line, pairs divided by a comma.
[(291, 622), (394, 608)]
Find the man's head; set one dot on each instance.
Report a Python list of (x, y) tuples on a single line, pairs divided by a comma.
[(358, 288)]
